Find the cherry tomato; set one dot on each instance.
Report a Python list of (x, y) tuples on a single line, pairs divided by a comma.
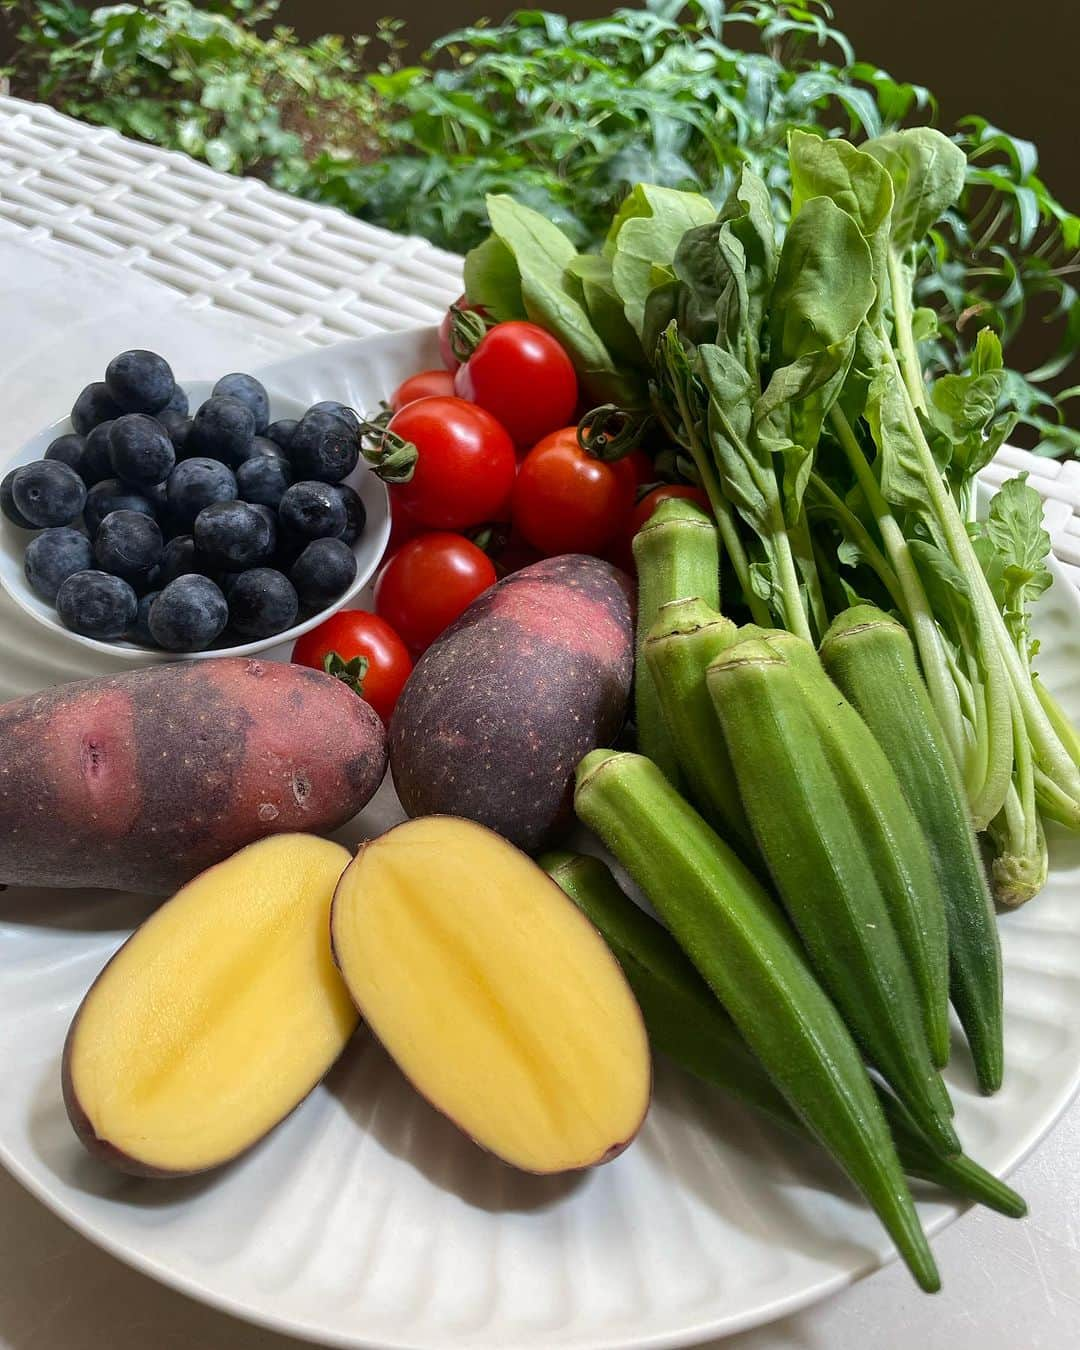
[(446, 351), (428, 583), (522, 376), (638, 468), (354, 632), (622, 552), (466, 467), (565, 501), (424, 384)]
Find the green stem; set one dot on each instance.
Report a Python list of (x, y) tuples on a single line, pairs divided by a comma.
[(724, 515), (928, 639), (1061, 724), (902, 316), (861, 538), (787, 575), (806, 561)]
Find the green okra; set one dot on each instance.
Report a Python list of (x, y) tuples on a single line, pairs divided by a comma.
[(823, 843), (686, 636), (676, 555), (737, 937), (685, 1022), (872, 660), (901, 853)]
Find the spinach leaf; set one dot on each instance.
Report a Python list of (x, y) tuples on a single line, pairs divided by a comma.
[(643, 239), (964, 408), (927, 172), (542, 254), (1012, 547), (492, 280), (589, 279)]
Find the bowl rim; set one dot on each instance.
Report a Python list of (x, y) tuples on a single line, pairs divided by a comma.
[(376, 534)]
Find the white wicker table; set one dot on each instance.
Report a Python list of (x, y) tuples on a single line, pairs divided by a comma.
[(227, 267)]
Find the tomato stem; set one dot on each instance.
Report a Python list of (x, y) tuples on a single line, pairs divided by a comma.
[(609, 432)]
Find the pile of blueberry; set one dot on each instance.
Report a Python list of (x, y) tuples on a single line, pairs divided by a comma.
[(192, 527)]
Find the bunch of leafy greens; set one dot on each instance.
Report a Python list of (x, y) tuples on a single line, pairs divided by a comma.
[(782, 361), (567, 117)]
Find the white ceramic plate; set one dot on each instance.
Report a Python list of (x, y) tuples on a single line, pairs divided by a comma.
[(367, 1220), (368, 549)]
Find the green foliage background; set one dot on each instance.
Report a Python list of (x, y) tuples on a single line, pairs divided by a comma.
[(567, 116)]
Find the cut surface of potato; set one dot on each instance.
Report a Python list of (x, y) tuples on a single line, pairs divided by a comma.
[(493, 993), (217, 1016)]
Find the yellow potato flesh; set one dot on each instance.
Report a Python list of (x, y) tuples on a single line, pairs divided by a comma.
[(220, 1013), (493, 993)]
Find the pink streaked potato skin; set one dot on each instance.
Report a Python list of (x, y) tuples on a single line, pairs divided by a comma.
[(501, 708), (140, 781), (613, 1150)]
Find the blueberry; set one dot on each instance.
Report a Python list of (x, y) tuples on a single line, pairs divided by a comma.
[(112, 495), (280, 432), (262, 602), (248, 390), (139, 632), (232, 535), (177, 427), (196, 483), (140, 450), (355, 514), (53, 556), (340, 411), (7, 502), (188, 614), (96, 604), (263, 480), (48, 492), (92, 407), (263, 447), (69, 450), (178, 403), (96, 464), (127, 544), (178, 559), (223, 428), (323, 447), (322, 572), (139, 381), (271, 518), (313, 510)]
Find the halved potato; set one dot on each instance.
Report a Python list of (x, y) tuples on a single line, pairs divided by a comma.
[(493, 993), (217, 1016)]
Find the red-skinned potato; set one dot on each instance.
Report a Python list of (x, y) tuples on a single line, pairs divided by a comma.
[(494, 994), (501, 708), (217, 1016), (140, 781)]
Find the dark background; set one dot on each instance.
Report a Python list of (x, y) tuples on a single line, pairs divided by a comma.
[(1017, 63)]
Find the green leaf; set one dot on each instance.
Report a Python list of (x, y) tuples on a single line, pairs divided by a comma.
[(963, 407), (927, 172), (1012, 547), (644, 238), (899, 463), (543, 254), (947, 589), (596, 291), (493, 281)]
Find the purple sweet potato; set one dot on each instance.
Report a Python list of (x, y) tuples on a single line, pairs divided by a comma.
[(141, 781), (500, 709)]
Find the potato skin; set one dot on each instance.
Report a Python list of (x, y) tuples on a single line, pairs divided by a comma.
[(499, 710), (140, 781)]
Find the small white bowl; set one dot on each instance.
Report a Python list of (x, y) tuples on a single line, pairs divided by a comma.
[(369, 548)]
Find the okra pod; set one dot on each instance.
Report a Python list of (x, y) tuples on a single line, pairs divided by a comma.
[(872, 660), (885, 819), (686, 636), (687, 1023), (676, 555), (738, 939), (800, 788)]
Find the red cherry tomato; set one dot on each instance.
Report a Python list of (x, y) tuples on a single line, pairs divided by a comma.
[(446, 350), (522, 376), (622, 552), (466, 467), (565, 501), (354, 632), (428, 583), (424, 384)]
